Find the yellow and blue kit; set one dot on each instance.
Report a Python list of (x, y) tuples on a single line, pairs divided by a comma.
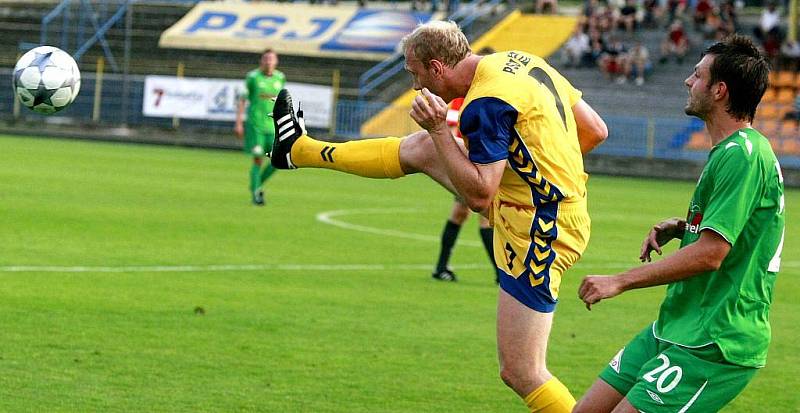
[(519, 109)]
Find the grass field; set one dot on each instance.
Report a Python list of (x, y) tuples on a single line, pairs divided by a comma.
[(108, 253)]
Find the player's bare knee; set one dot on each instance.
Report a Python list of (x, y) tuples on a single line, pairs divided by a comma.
[(523, 376), (417, 152), (517, 379)]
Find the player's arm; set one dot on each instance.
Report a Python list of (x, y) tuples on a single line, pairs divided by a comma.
[(475, 183), (241, 103), (238, 127), (706, 254), (660, 235), (592, 131)]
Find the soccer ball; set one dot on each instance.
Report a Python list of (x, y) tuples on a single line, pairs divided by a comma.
[(46, 79)]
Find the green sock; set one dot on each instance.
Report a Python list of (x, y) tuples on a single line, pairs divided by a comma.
[(267, 172), (255, 172)]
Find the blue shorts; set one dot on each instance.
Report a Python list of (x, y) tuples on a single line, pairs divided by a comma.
[(533, 246)]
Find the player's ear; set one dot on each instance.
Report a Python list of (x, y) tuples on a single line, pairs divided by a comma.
[(437, 68), (720, 90)]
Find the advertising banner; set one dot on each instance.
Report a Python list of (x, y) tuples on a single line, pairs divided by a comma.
[(216, 99), (292, 28)]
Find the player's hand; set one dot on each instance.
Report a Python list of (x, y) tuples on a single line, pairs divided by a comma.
[(239, 130), (597, 287), (430, 112), (661, 234)]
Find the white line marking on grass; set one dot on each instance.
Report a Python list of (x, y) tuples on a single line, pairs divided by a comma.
[(328, 217), (230, 267), (287, 267)]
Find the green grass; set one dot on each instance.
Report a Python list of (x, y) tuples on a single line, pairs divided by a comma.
[(376, 337)]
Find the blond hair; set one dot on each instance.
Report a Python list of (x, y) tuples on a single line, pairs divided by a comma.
[(437, 40)]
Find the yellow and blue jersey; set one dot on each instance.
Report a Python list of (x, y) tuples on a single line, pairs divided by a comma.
[(519, 109)]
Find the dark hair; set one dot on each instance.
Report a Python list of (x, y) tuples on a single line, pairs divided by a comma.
[(268, 50), (745, 71)]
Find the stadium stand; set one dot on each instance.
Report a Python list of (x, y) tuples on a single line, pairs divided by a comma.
[(645, 118)]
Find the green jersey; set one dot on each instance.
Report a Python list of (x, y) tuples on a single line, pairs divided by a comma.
[(261, 93), (740, 197)]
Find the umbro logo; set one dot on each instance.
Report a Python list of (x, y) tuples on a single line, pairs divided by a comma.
[(615, 362), (655, 397)]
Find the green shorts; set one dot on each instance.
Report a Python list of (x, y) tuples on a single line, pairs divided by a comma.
[(657, 376), (258, 141)]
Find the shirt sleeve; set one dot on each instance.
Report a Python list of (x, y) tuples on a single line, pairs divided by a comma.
[(488, 124), (734, 195), (574, 95)]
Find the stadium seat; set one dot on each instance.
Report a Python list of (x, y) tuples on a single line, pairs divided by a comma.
[(698, 141), (767, 128), (769, 95), (784, 79), (790, 146), (776, 143), (785, 95), (789, 129), (767, 111)]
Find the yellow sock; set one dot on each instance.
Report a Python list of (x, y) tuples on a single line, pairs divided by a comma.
[(551, 397), (370, 158)]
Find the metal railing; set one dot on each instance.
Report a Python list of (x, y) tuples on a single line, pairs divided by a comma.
[(98, 21), (631, 136)]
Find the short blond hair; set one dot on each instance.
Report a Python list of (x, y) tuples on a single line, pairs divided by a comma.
[(439, 40)]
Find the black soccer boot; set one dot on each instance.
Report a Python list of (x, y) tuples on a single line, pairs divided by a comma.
[(288, 127), (444, 275)]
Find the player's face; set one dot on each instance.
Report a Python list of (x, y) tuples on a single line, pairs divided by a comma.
[(415, 68), (700, 97), (421, 77), (269, 61)]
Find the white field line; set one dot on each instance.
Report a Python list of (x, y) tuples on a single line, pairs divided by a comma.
[(326, 217), (329, 217), (287, 267), (229, 267)]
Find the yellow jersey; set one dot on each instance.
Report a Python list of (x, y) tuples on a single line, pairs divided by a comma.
[(519, 109)]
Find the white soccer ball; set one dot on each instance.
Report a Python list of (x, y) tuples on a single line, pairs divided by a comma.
[(46, 79)]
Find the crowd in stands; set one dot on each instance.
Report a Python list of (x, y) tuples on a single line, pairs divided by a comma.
[(608, 35)]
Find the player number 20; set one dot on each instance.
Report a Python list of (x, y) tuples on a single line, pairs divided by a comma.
[(664, 372)]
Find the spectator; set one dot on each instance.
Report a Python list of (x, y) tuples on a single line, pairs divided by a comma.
[(576, 48), (712, 24), (675, 10), (612, 61), (702, 10), (727, 15), (605, 19), (546, 6), (676, 44), (638, 64), (652, 12), (769, 23), (790, 55), (596, 47), (589, 9), (627, 16), (772, 48)]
